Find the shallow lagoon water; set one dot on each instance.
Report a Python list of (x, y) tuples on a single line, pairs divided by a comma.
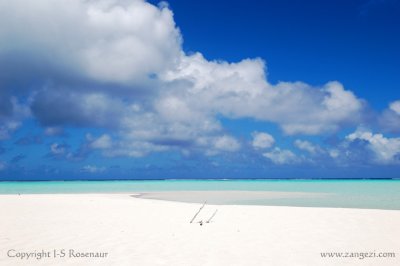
[(369, 194)]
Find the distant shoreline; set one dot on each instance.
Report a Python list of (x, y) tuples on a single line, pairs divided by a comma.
[(349, 193)]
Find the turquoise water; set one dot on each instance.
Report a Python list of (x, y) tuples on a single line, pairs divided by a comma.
[(371, 194)]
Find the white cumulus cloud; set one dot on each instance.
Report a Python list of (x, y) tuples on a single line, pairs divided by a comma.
[(107, 40), (307, 146), (240, 90), (57, 149), (395, 107), (279, 156), (386, 150), (102, 142), (226, 143), (390, 118), (262, 140)]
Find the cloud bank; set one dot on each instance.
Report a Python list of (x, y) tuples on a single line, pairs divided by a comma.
[(119, 65)]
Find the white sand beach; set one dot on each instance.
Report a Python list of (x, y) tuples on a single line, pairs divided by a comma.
[(69, 229)]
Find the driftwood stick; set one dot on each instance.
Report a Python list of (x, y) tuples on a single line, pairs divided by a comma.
[(194, 217), (212, 216)]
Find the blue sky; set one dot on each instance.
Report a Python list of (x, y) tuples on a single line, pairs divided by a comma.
[(208, 89)]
